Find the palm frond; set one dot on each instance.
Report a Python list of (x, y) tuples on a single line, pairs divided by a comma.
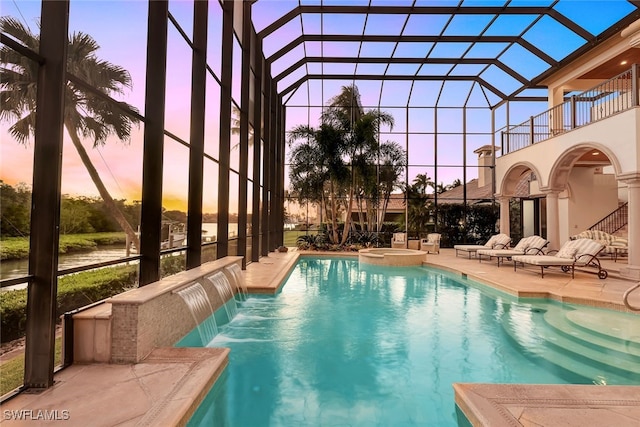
[(23, 128)]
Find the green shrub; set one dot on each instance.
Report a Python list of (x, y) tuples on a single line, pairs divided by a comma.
[(77, 290), (13, 314), (470, 224), (172, 264), (209, 253), (74, 291)]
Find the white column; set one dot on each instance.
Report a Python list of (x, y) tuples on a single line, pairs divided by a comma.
[(633, 267), (504, 215), (553, 221)]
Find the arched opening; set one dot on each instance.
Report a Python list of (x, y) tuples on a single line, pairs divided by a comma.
[(520, 188), (585, 178)]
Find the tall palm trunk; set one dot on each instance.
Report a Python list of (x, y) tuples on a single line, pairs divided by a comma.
[(95, 177), (383, 211), (334, 214), (347, 221), (361, 216), (372, 218)]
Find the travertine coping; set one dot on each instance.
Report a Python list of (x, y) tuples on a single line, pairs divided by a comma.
[(550, 294), (272, 276), (181, 402), (165, 389), (146, 293), (497, 405)]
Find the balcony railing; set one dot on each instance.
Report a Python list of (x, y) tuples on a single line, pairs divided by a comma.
[(604, 100)]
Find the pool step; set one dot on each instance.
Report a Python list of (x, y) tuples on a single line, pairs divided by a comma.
[(557, 350), (582, 348), (618, 344), (623, 327)]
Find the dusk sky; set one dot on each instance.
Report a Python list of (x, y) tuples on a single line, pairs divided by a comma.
[(119, 27)]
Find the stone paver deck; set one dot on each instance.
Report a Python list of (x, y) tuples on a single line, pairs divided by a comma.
[(164, 389)]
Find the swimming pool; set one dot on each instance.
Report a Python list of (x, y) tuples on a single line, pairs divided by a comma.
[(344, 344)]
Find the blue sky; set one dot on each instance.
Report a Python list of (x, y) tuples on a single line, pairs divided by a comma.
[(119, 27)]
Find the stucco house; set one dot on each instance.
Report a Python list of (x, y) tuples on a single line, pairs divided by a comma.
[(583, 154)]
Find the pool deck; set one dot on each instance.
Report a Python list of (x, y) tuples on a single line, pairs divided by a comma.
[(161, 389)]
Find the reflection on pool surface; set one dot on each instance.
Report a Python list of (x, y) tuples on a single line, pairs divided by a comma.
[(344, 344)]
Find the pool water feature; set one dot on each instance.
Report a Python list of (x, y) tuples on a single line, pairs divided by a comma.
[(223, 286), (347, 344), (201, 310), (238, 278)]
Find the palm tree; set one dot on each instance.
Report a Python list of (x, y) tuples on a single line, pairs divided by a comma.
[(85, 114), (361, 131), (422, 182), (341, 158), (392, 161), (418, 208), (235, 126), (317, 169)]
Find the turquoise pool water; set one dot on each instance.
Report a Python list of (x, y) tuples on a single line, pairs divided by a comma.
[(345, 345)]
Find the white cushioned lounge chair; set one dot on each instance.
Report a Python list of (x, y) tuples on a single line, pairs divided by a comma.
[(574, 253), (613, 245), (498, 241), (532, 245)]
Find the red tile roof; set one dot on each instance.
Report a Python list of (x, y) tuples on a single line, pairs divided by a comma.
[(475, 194)]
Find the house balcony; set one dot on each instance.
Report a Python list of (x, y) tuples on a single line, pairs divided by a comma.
[(593, 106), (583, 157), (600, 126)]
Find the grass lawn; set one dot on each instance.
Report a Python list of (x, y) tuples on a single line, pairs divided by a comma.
[(290, 237), (18, 247), (12, 371)]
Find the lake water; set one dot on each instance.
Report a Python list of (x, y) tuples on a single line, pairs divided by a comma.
[(19, 267), (16, 268)]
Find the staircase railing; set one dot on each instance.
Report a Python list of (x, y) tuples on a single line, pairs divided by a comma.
[(614, 221), (625, 298)]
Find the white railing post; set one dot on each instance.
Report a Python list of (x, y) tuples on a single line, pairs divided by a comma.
[(531, 130), (634, 85)]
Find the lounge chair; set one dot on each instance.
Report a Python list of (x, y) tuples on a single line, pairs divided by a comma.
[(499, 241), (574, 253), (431, 243), (399, 240), (532, 245), (613, 245)]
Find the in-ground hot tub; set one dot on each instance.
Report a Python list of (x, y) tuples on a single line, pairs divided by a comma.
[(391, 256)]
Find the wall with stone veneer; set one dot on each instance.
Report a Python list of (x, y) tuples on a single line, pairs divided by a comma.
[(155, 316)]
